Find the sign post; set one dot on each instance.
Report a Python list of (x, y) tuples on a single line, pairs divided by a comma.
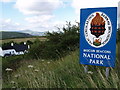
[(98, 28), (107, 72), (86, 68)]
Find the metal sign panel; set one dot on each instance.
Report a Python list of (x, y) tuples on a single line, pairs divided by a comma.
[(98, 28)]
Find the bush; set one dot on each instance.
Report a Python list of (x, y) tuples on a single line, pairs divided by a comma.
[(58, 44), (29, 42), (8, 43), (36, 50), (11, 61)]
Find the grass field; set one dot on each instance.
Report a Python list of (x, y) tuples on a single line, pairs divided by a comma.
[(17, 40), (63, 73)]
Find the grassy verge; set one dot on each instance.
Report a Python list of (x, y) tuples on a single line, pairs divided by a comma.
[(63, 73)]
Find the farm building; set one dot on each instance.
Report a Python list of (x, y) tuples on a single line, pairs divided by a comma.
[(14, 49)]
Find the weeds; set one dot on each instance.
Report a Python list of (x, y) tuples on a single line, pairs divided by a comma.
[(63, 73)]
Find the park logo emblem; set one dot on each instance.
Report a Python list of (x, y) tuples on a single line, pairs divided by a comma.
[(97, 29)]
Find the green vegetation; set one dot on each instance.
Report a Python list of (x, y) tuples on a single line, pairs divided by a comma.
[(12, 62), (63, 73), (54, 63), (57, 45), (8, 35)]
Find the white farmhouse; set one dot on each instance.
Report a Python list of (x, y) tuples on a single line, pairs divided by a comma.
[(14, 49)]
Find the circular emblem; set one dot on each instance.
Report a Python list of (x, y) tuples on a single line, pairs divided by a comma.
[(97, 29)]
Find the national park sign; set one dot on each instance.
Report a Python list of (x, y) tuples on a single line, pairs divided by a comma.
[(98, 28)]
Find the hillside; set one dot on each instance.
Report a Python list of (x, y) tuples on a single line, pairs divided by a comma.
[(63, 73), (34, 33), (9, 35)]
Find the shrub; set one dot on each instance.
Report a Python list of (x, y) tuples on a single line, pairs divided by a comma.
[(58, 43)]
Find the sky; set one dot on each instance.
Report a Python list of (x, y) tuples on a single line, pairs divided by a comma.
[(45, 15)]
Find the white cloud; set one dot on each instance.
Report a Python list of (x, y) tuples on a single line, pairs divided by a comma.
[(17, 24), (39, 19), (41, 22), (7, 20), (42, 13), (119, 14), (44, 26), (78, 4), (8, 24), (39, 15), (37, 7), (5, 1)]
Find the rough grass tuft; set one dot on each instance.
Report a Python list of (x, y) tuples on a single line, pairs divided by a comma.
[(63, 73)]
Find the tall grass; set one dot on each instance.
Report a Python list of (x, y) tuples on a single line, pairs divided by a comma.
[(63, 73)]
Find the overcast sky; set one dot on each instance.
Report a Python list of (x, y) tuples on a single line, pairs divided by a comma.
[(45, 15)]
